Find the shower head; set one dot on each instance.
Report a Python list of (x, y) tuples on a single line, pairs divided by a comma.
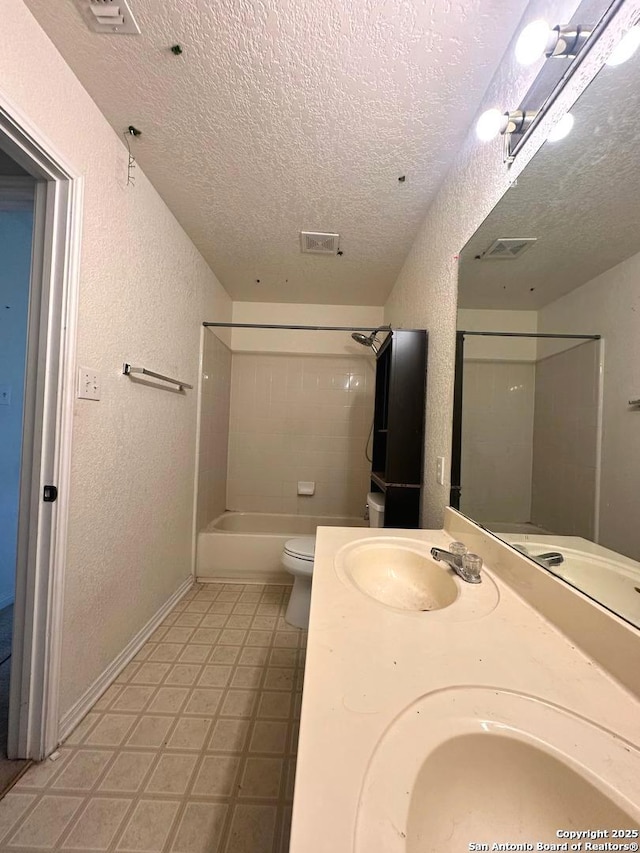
[(370, 340)]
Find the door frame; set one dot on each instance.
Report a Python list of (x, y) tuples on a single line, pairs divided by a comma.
[(47, 432)]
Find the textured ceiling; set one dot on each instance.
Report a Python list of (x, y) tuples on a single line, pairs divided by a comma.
[(289, 115), (580, 197)]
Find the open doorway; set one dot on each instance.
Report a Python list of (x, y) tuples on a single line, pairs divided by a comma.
[(40, 202), (17, 198)]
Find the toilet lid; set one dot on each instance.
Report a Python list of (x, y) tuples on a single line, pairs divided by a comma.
[(303, 548)]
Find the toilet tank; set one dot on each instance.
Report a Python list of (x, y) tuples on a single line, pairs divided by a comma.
[(375, 501)]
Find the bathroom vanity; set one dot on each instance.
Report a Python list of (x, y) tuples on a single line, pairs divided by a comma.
[(438, 714)]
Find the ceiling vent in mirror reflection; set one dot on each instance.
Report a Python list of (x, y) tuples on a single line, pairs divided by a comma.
[(507, 248), (319, 243)]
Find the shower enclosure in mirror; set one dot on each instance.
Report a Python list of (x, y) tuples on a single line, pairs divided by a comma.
[(547, 401)]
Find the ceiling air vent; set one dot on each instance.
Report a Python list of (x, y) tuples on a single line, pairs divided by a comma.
[(507, 248), (109, 16), (319, 243)]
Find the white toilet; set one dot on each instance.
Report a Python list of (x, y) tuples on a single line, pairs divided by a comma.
[(298, 556)]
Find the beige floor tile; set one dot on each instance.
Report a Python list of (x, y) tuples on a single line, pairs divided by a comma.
[(83, 770), (172, 774), (274, 706), (85, 725), (149, 826), (252, 829), (205, 635), (259, 638), (264, 623), (151, 673), (221, 607), (224, 654), (190, 733), (200, 829), (194, 654), (168, 700), (231, 637), (97, 825), (165, 652), (247, 676), (46, 823), (188, 620), (12, 806), (217, 776), (286, 639), (229, 735), (197, 607), (290, 772), (269, 736), (111, 730), (239, 703), (250, 597), (150, 731), (170, 619), (127, 772), (133, 697), (203, 701), (283, 657), (229, 595), (214, 620), (157, 635), (239, 621), (127, 673), (254, 656), (245, 608), (178, 634), (214, 675), (261, 778), (107, 697), (40, 775), (280, 679), (183, 674)]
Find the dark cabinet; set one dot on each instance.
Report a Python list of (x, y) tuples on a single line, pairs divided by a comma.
[(398, 427)]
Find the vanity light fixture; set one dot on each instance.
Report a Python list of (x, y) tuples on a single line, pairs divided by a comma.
[(562, 128), (492, 123), (626, 47), (539, 39)]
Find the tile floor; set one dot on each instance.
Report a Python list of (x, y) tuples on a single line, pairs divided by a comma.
[(191, 750)]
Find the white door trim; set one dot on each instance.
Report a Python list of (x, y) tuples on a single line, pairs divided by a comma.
[(42, 538)]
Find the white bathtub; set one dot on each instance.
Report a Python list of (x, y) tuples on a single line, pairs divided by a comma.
[(246, 546)]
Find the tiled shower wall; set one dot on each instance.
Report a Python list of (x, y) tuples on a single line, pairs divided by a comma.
[(214, 429), (497, 440), (566, 440), (299, 417)]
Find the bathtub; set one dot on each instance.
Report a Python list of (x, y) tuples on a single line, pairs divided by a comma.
[(246, 546)]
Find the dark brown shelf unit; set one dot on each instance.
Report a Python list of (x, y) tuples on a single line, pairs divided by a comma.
[(398, 425)]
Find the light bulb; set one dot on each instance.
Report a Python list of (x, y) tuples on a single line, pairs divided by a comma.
[(562, 128), (626, 47), (489, 125), (532, 42)]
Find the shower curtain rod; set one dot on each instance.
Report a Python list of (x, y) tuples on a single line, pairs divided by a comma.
[(301, 328), (532, 335)]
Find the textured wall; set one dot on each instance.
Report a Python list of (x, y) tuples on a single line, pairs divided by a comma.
[(565, 441), (300, 417), (609, 305), (16, 230), (144, 291), (214, 429), (425, 293)]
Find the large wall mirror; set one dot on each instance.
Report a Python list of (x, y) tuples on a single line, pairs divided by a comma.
[(547, 414)]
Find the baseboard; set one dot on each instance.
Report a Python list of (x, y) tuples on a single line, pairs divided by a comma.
[(70, 720), (6, 600), (280, 578)]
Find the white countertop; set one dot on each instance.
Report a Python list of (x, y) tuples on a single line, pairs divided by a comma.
[(367, 663)]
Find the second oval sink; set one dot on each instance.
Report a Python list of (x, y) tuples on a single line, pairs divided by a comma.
[(398, 575)]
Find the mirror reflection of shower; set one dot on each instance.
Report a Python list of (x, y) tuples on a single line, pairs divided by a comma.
[(370, 340)]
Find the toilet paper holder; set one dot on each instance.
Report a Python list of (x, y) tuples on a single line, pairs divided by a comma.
[(306, 487)]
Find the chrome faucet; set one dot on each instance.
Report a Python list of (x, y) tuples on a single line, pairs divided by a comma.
[(548, 559), (465, 565)]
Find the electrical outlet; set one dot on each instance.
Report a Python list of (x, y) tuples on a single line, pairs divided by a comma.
[(5, 395), (88, 384), (440, 470)]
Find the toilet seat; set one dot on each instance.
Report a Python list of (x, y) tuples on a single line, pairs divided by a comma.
[(303, 548)]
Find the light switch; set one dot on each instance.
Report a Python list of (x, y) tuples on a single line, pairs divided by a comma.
[(88, 384), (440, 470), (5, 395)]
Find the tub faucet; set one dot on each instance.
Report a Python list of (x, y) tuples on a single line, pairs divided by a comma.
[(467, 566), (548, 559)]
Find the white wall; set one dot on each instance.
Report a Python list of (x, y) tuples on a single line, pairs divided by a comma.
[(144, 291), (16, 231), (280, 340), (425, 293), (493, 348), (609, 305)]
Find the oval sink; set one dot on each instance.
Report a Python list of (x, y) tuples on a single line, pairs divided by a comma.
[(476, 765), (398, 574)]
